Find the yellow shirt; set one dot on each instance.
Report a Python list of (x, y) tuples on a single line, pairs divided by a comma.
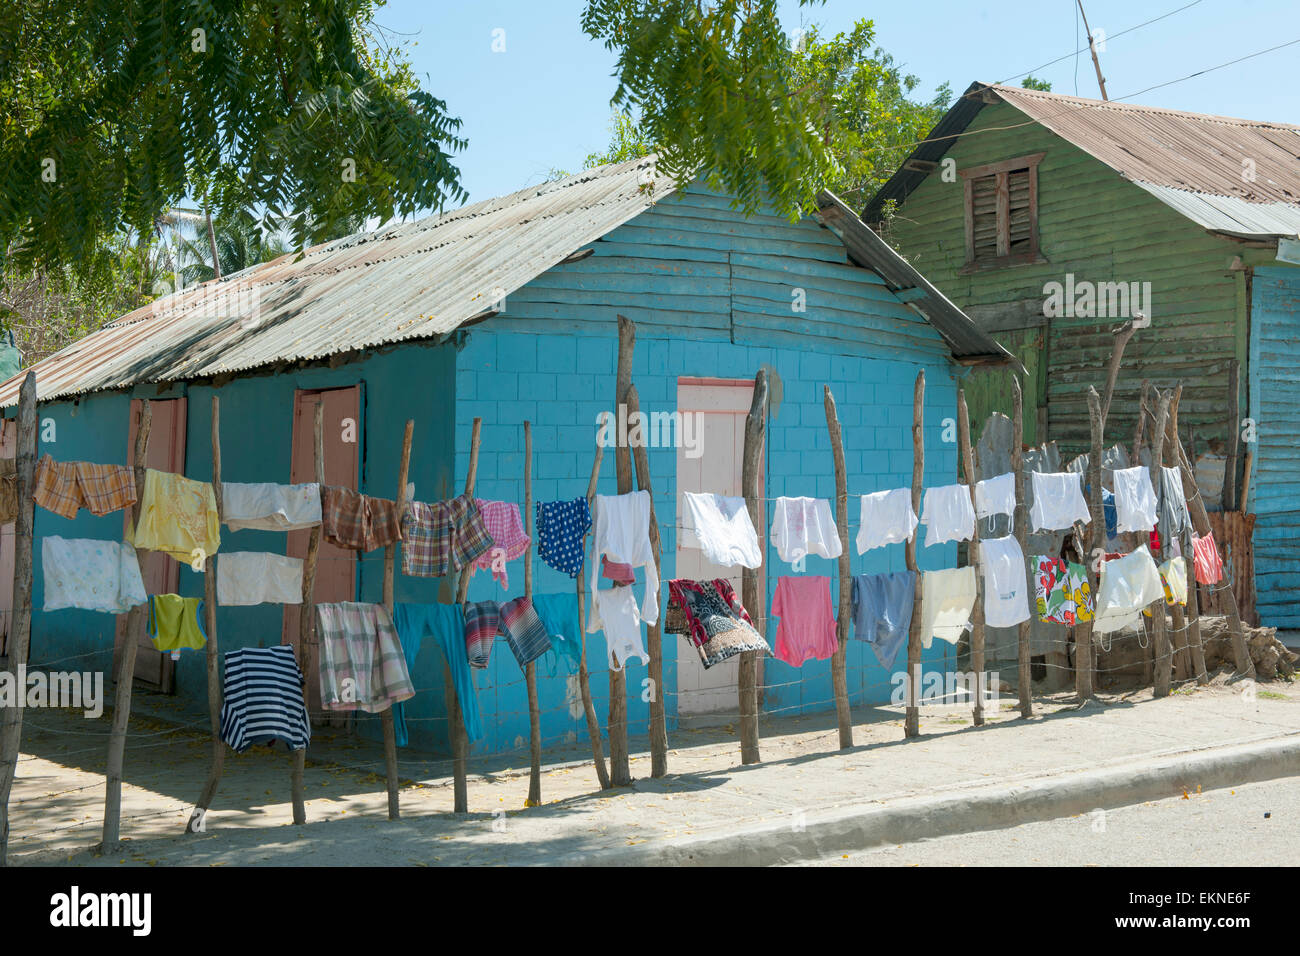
[(177, 516), (174, 622)]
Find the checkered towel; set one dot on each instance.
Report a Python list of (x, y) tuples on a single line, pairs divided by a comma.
[(482, 621), (442, 537), (506, 528), (362, 665), (63, 487), (358, 522), (525, 632)]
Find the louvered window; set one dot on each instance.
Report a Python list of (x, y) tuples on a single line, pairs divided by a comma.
[(1002, 213)]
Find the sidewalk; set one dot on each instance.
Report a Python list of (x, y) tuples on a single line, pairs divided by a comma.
[(803, 782)]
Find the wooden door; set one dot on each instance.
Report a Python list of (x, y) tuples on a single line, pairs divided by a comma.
[(162, 574), (336, 568), (719, 408)]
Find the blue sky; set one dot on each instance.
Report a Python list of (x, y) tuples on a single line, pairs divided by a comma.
[(543, 103)]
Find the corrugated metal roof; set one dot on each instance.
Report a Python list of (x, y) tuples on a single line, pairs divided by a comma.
[(405, 281), (1196, 163)]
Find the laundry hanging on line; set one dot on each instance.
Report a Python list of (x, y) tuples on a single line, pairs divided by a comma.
[(90, 575), (947, 600), (615, 612), (178, 516), (723, 529), (65, 487), (804, 526), (1135, 500), (886, 518), (1063, 594), (176, 623), (358, 522), (1006, 588), (807, 627), (265, 506), (362, 666), (262, 699), (561, 527), (948, 515), (1128, 583), (505, 527), (1058, 501), (882, 612), (711, 617), (622, 533), (245, 578), (446, 624)]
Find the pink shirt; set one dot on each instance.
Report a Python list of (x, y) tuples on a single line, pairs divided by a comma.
[(807, 628), (509, 540)]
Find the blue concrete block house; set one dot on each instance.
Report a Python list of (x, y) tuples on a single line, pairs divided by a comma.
[(506, 310)]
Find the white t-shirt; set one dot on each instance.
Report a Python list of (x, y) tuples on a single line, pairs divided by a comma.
[(947, 514), (1006, 586), (1058, 501), (887, 518), (1135, 500), (803, 526), (723, 529), (996, 496)]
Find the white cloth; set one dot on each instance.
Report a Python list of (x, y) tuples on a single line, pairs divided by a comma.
[(803, 526), (256, 577), (91, 575), (1058, 501), (622, 533), (947, 514), (1135, 500), (887, 518), (1006, 585), (947, 600), (270, 507), (621, 621), (1128, 584), (996, 496), (723, 529)]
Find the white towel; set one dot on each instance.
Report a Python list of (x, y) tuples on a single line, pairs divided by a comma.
[(1058, 501), (803, 526), (1006, 586), (996, 496), (887, 518), (1135, 500), (91, 575), (1128, 584), (256, 577), (723, 529), (947, 514), (270, 507)]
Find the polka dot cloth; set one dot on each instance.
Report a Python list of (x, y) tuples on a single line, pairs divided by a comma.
[(561, 526)]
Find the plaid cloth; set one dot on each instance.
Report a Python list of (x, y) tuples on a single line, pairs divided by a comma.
[(525, 632), (362, 665), (505, 526), (443, 536), (63, 487), (561, 526), (716, 623), (482, 621), (356, 521)]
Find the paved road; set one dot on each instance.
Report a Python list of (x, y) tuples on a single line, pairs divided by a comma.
[(1215, 828)]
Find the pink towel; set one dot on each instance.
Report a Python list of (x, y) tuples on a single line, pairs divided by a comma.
[(509, 540), (1208, 564)]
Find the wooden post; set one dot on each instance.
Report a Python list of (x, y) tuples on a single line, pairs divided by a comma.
[(1183, 665), (390, 562), (1201, 521), (912, 719), (1193, 634), (1159, 632), (126, 666), (1020, 526), (972, 558), (654, 632), (455, 717), (619, 772), (195, 823), (1083, 630), (306, 617), (16, 650), (750, 593), (839, 677), (530, 671), (1122, 334), (1234, 437), (584, 679)]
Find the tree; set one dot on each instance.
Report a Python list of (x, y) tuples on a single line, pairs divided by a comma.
[(626, 141), (1032, 82), (239, 242), (112, 111)]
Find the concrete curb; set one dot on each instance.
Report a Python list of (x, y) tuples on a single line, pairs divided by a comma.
[(849, 829)]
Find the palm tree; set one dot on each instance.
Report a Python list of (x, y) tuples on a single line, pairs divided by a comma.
[(239, 242)]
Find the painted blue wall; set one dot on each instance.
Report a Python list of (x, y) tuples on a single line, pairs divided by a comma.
[(1275, 487)]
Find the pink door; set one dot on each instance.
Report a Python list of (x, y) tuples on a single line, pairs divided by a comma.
[(719, 408), (162, 574), (336, 568)]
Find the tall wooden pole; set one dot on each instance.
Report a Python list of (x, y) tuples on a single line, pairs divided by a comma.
[(390, 563), (620, 773), (1083, 630), (1159, 632), (1193, 625), (195, 824), (16, 650), (654, 632), (973, 558), (307, 615), (126, 666), (584, 679), (750, 592), (1020, 525), (530, 670), (1178, 636), (912, 718), (839, 677), (455, 717)]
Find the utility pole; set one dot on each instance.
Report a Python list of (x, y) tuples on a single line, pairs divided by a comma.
[(1092, 48)]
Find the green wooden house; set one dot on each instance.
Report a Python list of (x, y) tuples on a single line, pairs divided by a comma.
[(1052, 219)]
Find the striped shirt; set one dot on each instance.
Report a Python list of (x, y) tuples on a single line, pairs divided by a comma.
[(263, 699)]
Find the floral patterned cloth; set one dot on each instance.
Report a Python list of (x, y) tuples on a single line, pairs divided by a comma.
[(711, 617), (1063, 593)]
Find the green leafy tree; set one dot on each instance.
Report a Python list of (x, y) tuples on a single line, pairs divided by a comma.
[(1032, 82), (626, 141), (240, 244), (113, 111)]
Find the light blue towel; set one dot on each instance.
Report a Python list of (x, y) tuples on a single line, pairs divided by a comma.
[(559, 614), (882, 612)]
